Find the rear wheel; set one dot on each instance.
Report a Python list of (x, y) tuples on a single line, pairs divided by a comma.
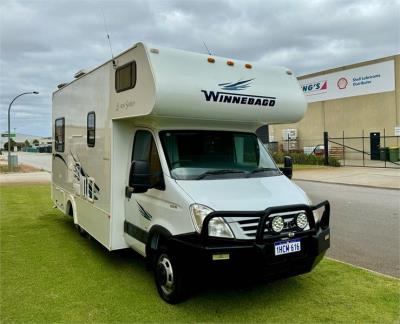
[(81, 231), (169, 277)]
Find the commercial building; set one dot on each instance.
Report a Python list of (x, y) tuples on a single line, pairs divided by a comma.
[(20, 138), (350, 101)]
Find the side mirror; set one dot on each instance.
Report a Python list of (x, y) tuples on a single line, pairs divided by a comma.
[(287, 169), (141, 180)]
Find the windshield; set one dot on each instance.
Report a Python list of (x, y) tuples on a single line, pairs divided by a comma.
[(197, 154)]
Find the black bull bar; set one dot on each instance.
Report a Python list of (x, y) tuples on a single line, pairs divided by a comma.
[(263, 215)]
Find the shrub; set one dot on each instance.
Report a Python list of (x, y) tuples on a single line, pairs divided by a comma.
[(301, 158)]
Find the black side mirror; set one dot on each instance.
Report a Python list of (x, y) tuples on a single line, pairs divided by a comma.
[(287, 169), (141, 180)]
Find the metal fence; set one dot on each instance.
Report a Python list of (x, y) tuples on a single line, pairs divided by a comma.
[(375, 149)]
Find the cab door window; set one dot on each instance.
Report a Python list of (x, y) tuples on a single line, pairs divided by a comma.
[(145, 149)]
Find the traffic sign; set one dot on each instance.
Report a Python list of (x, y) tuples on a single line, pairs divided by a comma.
[(6, 135)]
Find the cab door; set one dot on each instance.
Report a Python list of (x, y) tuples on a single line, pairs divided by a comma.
[(140, 206)]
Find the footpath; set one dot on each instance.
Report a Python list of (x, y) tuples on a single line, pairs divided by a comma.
[(368, 177), (25, 178), (356, 176)]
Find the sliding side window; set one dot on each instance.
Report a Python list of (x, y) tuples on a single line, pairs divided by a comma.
[(91, 129), (59, 134), (125, 77)]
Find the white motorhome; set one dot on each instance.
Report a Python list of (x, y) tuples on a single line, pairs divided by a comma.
[(156, 151)]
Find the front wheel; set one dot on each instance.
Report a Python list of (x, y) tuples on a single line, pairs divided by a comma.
[(169, 277)]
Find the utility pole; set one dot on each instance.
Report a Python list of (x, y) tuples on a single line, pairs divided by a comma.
[(9, 132)]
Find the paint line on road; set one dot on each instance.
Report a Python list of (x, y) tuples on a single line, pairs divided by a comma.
[(362, 268)]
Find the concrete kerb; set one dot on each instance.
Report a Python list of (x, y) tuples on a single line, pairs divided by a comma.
[(346, 184), (362, 268)]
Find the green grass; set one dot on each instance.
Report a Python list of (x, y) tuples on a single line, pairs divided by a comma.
[(50, 274)]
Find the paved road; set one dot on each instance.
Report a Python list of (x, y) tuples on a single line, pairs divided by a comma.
[(37, 160), (365, 224)]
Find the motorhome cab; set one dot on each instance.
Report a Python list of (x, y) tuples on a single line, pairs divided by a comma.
[(156, 150)]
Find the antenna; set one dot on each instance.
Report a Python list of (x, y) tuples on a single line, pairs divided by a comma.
[(108, 37), (209, 52)]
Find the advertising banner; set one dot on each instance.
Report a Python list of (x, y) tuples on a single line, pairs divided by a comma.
[(373, 78)]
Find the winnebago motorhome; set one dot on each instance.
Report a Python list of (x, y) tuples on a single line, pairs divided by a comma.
[(156, 150)]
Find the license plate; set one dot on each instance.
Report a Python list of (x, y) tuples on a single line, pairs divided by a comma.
[(286, 247)]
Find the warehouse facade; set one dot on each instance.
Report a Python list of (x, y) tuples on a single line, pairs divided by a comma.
[(348, 101)]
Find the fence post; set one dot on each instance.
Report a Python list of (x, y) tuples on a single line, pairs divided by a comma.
[(363, 152), (343, 150), (326, 149), (384, 143)]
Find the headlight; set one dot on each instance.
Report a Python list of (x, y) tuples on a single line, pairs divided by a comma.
[(277, 224), (216, 227), (302, 221), (219, 228), (198, 213)]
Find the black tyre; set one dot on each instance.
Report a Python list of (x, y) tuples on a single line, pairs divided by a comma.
[(169, 277), (81, 231)]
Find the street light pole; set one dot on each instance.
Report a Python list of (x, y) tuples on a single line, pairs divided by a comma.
[(9, 132)]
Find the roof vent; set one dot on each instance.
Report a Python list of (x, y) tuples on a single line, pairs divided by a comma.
[(79, 74), (61, 85)]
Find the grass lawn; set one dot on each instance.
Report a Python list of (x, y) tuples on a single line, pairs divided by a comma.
[(50, 274)]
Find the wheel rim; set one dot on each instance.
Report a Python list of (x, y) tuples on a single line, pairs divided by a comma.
[(165, 274)]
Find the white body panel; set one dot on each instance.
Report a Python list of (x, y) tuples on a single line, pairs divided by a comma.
[(170, 93), (252, 194)]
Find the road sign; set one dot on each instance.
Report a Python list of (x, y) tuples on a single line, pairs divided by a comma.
[(6, 135)]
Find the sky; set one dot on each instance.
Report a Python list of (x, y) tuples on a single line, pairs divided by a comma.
[(45, 42)]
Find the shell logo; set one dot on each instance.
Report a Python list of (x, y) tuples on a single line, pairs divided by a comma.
[(342, 83)]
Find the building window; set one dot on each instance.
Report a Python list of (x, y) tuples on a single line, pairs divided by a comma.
[(59, 134), (125, 77), (91, 129)]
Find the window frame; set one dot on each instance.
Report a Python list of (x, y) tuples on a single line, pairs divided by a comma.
[(57, 144), (89, 143), (133, 76)]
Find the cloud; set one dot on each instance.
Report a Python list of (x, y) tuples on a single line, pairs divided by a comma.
[(44, 42)]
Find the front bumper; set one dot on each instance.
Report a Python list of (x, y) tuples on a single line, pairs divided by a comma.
[(258, 254)]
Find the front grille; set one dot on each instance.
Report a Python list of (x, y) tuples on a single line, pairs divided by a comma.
[(249, 226)]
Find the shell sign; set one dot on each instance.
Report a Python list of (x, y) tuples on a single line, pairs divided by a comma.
[(367, 79)]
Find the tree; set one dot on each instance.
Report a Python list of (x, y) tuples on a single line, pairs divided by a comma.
[(12, 145), (27, 144), (35, 142)]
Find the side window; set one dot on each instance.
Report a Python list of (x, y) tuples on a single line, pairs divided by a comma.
[(59, 134), (246, 149), (144, 148), (91, 129), (125, 77)]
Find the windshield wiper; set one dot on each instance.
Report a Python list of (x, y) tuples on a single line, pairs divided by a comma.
[(261, 170), (215, 172)]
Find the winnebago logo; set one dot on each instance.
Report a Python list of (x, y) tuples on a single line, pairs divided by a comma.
[(238, 98), (240, 85)]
